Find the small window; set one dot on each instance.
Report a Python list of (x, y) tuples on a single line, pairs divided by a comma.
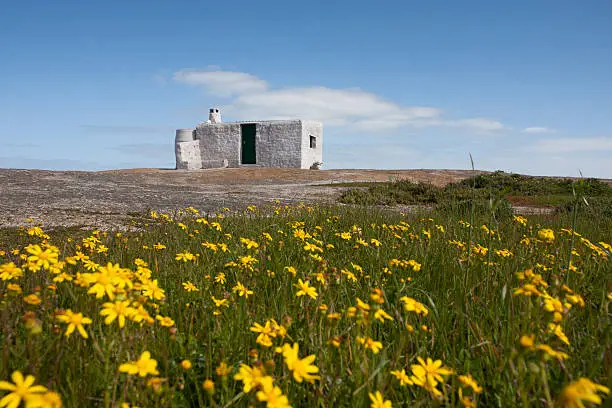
[(313, 142)]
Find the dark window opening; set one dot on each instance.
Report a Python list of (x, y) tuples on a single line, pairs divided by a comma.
[(313, 142)]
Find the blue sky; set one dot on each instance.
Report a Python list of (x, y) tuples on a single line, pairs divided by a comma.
[(525, 86)]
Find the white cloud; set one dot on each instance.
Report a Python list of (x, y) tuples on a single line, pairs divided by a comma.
[(222, 83), (333, 106), (479, 124), (578, 144), (537, 129), (355, 108)]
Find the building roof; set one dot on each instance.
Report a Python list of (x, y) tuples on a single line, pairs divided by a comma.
[(270, 122)]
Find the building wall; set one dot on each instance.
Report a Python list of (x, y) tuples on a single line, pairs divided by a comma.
[(188, 155), (277, 144), (219, 141), (309, 155)]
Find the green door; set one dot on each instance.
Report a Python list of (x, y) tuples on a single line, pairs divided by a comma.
[(248, 131)]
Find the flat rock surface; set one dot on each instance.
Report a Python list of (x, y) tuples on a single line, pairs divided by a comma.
[(105, 199)]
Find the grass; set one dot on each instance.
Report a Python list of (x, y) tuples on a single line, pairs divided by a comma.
[(509, 189), (450, 289)]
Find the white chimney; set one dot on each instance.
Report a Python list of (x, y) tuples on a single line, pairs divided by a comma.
[(214, 115)]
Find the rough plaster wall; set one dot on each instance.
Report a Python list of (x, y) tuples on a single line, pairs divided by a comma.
[(278, 144), (220, 141), (215, 164), (310, 156), (188, 155)]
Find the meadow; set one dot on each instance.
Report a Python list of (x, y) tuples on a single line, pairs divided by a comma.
[(309, 306)]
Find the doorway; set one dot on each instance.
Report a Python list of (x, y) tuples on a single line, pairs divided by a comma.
[(248, 132)]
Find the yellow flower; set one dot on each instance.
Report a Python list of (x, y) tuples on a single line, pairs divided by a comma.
[(90, 265), (302, 369), (550, 352), (250, 377), (165, 321), (155, 383), (305, 289), (37, 232), (41, 258), (272, 395), (527, 290), (185, 256), (270, 330), (247, 262), (546, 235), (361, 305), (186, 364), (468, 381), (49, 399), (222, 370), (209, 386), (248, 243), (220, 302), (291, 270), (312, 247), (362, 242), (382, 315), (118, 310), (350, 275), (527, 340), (242, 290), (378, 401), (13, 287), (429, 371), (370, 343), (159, 246), (582, 390), (521, 220), (151, 290), (468, 402), (575, 300), (10, 271), (190, 287), (335, 341), (557, 330), (144, 366), (402, 377), (411, 305), (220, 278), (555, 306), (75, 321), (377, 296), (32, 299), (106, 281), (211, 246), (21, 390), (504, 253)]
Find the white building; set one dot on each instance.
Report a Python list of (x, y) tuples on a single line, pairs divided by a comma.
[(275, 143)]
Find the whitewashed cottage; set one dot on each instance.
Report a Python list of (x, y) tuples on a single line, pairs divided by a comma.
[(274, 143)]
